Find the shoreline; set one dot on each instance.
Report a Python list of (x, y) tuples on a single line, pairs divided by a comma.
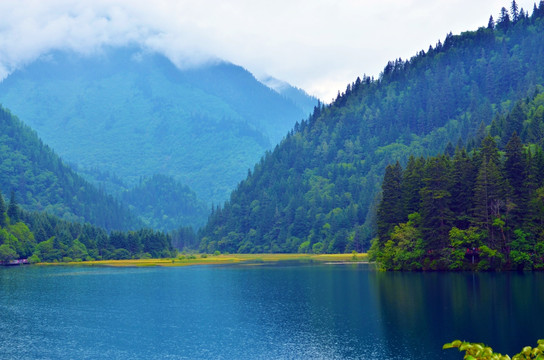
[(249, 259)]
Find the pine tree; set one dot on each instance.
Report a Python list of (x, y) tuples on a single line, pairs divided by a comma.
[(2, 211), (390, 208), (463, 179), (491, 23), (490, 199), (435, 202), (516, 174), (504, 20), (13, 210), (515, 11), (411, 184)]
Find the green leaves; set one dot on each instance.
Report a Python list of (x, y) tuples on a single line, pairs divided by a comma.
[(476, 351)]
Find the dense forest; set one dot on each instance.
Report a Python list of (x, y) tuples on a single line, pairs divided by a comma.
[(44, 237), (469, 209), (318, 190), (44, 183), (163, 203)]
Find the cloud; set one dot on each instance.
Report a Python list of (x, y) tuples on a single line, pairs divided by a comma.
[(319, 45)]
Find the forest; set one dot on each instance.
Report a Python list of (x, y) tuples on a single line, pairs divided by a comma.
[(43, 182), (41, 237), (480, 208), (319, 189)]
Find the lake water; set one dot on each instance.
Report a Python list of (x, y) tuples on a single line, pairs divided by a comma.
[(262, 312)]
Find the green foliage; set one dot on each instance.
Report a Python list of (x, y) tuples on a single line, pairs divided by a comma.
[(476, 351), (7, 253), (322, 183)]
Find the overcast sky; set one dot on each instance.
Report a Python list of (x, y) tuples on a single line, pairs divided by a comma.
[(317, 45)]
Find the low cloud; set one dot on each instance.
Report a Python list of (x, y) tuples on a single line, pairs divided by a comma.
[(318, 45)]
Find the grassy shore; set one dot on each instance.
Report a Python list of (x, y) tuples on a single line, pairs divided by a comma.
[(199, 259)]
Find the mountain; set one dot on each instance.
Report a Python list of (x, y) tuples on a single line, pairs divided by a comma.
[(42, 182), (318, 191), (134, 114), (298, 96)]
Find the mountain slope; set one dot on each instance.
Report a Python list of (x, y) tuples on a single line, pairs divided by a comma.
[(163, 203), (134, 114), (317, 190), (42, 182)]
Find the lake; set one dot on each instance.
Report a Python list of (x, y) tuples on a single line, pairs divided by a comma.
[(283, 311)]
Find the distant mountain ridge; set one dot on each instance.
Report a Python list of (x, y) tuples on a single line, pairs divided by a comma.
[(134, 114)]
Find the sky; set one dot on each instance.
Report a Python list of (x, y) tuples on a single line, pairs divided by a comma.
[(317, 45)]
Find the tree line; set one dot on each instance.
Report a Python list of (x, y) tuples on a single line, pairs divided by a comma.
[(39, 237)]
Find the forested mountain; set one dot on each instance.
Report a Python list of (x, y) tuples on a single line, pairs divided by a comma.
[(42, 182), (44, 237), (479, 209), (134, 114), (163, 203), (317, 191)]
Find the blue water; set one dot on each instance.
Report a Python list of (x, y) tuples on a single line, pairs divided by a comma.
[(261, 312)]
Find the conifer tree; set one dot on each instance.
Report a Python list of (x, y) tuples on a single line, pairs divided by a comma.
[(491, 23), (515, 11), (435, 202), (516, 174), (13, 209), (2, 211), (411, 184), (390, 208), (463, 179)]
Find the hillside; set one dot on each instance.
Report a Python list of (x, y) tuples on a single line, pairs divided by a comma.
[(42, 182), (134, 114), (478, 209), (163, 203), (317, 191)]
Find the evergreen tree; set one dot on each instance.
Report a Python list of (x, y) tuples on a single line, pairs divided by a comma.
[(390, 211), (491, 23), (463, 178), (490, 201), (516, 174), (13, 209), (504, 20), (435, 202), (411, 184), (2, 211), (515, 11)]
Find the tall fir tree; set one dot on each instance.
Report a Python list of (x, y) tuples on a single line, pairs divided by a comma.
[(436, 201), (13, 209), (516, 174), (463, 179), (390, 211), (2, 211)]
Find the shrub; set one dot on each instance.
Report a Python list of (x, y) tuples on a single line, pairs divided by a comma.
[(475, 351)]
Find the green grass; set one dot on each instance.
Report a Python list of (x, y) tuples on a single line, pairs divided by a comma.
[(225, 259)]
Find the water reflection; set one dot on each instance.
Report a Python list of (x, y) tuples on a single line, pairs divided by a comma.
[(500, 309)]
